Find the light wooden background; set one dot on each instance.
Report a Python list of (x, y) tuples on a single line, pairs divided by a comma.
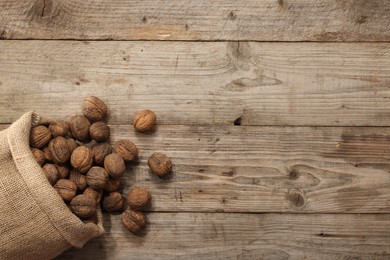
[(276, 114)]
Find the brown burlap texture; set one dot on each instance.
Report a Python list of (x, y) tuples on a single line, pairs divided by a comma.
[(34, 221)]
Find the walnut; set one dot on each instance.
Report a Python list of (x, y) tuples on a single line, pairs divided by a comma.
[(83, 206), (96, 195), (79, 127), (134, 221), (59, 149), (38, 155), (51, 173), (39, 136), (66, 189), (114, 165), (72, 145), (47, 154), (113, 202), (126, 149), (79, 179), (94, 109), (100, 151), (59, 128), (99, 131), (63, 171), (138, 198), (160, 164), (112, 185), (144, 120), (97, 178), (82, 159)]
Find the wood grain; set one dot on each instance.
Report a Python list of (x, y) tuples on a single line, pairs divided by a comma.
[(265, 20), (327, 84), (244, 236), (265, 169)]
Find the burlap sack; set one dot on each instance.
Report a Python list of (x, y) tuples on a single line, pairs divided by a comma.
[(34, 221)]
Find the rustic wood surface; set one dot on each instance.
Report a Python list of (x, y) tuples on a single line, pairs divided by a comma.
[(264, 20), (328, 84), (281, 148), (265, 169), (244, 236)]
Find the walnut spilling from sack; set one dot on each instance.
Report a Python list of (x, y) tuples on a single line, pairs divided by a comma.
[(85, 169)]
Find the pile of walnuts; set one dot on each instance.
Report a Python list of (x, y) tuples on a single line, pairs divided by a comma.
[(85, 169)]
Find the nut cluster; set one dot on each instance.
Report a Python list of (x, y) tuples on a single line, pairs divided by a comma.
[(85, 169)]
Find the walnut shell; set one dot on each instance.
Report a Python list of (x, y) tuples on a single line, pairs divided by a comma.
[(59, 149), (38, 155), (114, 165), (144, 120), (39, 136), (160, 164), (47, 154), (63, 171), (66, 189), (97, 178), (59, 128), (138, 198), (134, 221), (112, 185), (72, 145), (79, 127), (82, 159), (79, 179), (94, 109), (99, 131), (51, 173), (100, 151), (126, 149), (113, 202), (83, 206), (96, 195)]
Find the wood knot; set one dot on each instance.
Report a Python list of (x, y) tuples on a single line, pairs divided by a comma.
[(297, 198), (294, 174)]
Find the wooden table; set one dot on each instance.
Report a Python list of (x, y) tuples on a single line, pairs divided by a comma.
[(276, 115)]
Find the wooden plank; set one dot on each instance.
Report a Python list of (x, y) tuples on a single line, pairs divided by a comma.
[(265, 20), (328, 84), (244, 236), (265, 169)]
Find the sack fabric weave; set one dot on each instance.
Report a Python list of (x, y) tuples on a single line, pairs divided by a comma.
[(35, 223)]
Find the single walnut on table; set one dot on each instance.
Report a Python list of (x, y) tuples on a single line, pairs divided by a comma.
[(138, 198), (160, 164), (144, 121), (134, 221)]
